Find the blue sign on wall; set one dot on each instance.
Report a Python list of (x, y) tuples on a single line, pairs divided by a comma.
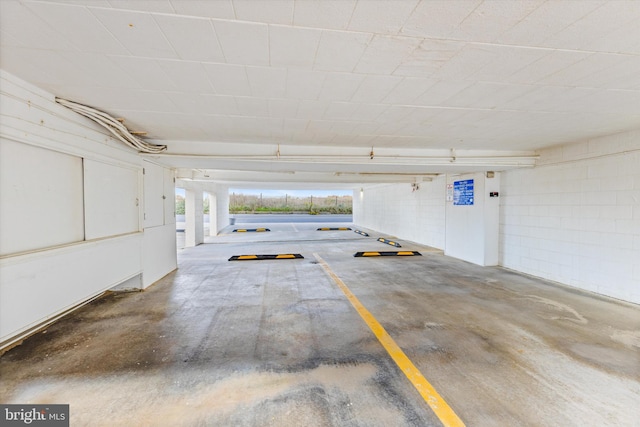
[(463, 192)]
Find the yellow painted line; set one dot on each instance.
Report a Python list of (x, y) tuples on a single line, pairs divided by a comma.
[(405, 253), (285, 256), (371, 254), (248, 257), (442, 410)]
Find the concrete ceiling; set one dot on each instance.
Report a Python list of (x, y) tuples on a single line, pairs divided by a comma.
[(305, 90)]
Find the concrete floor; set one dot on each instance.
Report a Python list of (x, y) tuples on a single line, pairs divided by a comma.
[(276, 343)]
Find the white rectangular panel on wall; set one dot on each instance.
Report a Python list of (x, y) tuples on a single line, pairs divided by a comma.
[(37, 287), (153, 192), (170, 197), (158, 253), (41, 198), (111, 199)]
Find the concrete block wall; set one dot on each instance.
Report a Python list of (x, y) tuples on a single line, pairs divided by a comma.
[(402, 211), (575, 218)]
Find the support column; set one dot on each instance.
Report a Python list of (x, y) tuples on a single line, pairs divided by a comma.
[(194, 218), (222, 202), (213, 214), (472, 217)]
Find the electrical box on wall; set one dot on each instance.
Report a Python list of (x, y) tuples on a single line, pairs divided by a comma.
[(493, 194)]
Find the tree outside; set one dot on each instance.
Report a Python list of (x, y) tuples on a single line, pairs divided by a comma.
[(246, 203), (251, 204), (180, 205)]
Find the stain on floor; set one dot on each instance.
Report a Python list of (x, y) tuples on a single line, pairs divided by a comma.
[(276, 343)]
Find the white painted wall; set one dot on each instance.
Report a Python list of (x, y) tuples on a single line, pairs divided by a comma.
[(49, 277), (193, 216), (159, 247), (38, 286), (575, 218), (222, 206), (399, 210), (111, 198), (25, 195), (213, 213), (472, 231)]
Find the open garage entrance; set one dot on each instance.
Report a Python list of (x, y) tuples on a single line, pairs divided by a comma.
[(488, 275)]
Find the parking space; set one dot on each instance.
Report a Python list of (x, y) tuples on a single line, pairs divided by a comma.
[(279, 342)]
